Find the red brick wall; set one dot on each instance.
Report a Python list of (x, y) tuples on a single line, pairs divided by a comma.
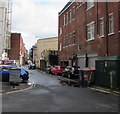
[(112, 39), (83, 17), (17, 46)]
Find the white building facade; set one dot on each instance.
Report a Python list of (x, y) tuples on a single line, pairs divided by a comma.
[(5, 28)]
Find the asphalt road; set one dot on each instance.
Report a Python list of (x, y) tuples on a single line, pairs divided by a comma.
[(49, 95)]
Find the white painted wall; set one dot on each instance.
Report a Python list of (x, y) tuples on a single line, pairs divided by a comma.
[(5, 26)]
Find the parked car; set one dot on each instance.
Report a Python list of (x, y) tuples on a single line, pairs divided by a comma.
[(71, 72), (57, 69), (24, 75), (49, 68)]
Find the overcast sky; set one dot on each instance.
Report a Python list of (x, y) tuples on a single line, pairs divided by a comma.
[(36, 18)]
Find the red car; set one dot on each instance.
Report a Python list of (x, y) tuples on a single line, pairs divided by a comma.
[(58, 69)]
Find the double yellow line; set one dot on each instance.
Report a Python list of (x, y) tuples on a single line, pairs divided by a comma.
[(32, 86), (105, 91)]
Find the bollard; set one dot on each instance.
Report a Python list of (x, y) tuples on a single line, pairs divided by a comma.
[(111, 80)]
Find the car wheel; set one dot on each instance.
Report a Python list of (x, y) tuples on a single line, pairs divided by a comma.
[(69, 75)]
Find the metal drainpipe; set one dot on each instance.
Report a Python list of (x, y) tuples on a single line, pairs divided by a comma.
[(107, 28), (86, 59), (97, 17)]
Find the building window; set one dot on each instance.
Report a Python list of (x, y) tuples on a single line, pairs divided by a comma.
[(64, 20), (73, 36), (70, 15), (67, 18), (90, 4), (77, 5), (60, 30), (90, 31), (79, 47), (73, 13), (101, 27), (111, 23)]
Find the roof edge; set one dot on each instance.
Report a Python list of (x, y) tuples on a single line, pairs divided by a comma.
[(66, 6), (48, 38)]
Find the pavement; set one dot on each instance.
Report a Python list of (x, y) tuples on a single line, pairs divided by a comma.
[(75, 83), (8, 88), (106, 90)]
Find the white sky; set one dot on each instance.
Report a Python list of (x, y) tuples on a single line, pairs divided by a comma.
[(36, 18)]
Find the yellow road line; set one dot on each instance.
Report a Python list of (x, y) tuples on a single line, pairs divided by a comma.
[(32, 86), (105, 91)]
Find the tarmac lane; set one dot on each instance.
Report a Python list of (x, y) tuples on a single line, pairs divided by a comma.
[(49, 95), (59, 99)]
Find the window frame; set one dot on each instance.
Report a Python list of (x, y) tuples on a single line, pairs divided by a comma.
[(60, 30), (67, 18), (60, 46), (101, 27), (64, 20), (73, 13), (110, 24), (91, 31)]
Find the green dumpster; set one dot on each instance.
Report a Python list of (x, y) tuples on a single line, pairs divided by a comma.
[(108, 72)]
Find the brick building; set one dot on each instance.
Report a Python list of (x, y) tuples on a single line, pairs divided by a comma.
[(87, 31), (17, 50)]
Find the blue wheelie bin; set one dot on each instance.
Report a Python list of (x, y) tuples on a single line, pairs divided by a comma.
[(5, 76)]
